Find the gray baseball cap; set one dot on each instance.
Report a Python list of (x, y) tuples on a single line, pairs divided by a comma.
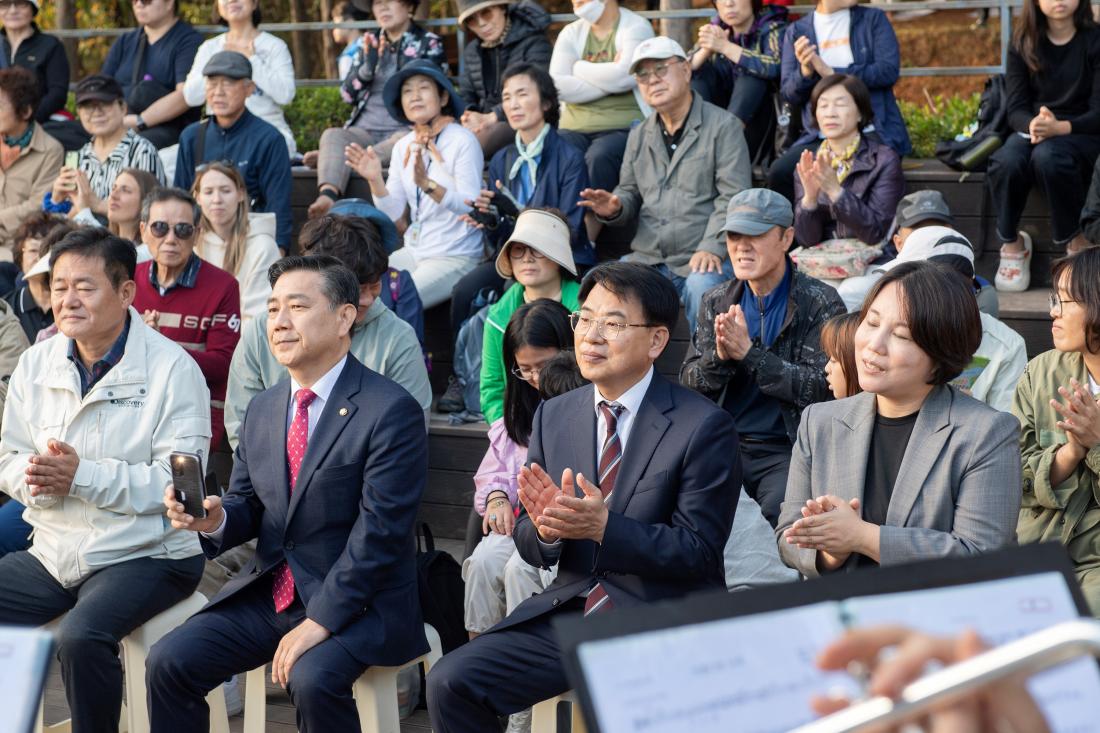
[(922, 206), (756, 210), (229, 64)]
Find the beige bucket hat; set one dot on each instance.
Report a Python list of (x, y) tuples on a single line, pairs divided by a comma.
[(546, 233)]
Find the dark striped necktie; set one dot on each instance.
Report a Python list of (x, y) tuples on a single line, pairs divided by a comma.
[(611, 457)]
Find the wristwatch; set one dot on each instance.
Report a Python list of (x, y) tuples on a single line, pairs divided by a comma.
[(141, 124), (432, 186)]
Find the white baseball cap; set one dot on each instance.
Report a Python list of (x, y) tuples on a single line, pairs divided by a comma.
[(928, 242), (658, 47)]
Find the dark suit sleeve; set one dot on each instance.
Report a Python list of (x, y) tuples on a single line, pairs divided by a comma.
[(375, 555), (690, 547), (530, 548), (243, 509)]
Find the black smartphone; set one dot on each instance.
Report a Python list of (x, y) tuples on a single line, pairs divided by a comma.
[(188, 482)]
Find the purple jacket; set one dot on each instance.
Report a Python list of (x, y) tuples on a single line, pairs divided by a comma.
[(499, 468), (865, 209)]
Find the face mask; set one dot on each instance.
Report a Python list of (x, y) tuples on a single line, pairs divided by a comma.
[(590, 11)]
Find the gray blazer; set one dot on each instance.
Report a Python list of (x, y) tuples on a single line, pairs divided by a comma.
[(957, 492)]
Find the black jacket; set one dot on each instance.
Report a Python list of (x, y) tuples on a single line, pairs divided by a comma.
[(44, 56), (32, 318), (792, 370), (525, 41)]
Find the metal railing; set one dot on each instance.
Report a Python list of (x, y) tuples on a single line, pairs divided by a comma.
[(1005, 8)]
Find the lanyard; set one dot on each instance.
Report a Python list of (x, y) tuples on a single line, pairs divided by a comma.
[(415, 214)]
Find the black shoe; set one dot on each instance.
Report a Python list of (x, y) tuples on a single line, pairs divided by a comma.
[(452, 400)]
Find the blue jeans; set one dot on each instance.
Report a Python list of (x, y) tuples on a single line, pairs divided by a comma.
[(14, 532), (692, 287)]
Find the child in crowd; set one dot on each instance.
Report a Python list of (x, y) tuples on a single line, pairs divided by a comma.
[(497, 579), (849, 187), (232, 238), (840, 36), (838, 342), (1052, 78), (435, 169), (351, 39), (538, 258)]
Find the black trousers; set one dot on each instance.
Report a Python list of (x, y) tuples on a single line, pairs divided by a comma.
[(101, 611), (237, 635), (781, 173), (498, 673), (603, 153), (1060, 167), (764, 468)]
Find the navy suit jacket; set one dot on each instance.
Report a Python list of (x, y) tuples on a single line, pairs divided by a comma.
[(669, 515), (348, 530)]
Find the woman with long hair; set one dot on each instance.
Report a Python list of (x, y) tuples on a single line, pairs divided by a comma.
[(1051, 77), (232, 238)]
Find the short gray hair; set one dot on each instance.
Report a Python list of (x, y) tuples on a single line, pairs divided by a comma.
[(161, 194)]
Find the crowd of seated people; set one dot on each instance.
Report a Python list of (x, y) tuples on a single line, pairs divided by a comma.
[(812, 427)]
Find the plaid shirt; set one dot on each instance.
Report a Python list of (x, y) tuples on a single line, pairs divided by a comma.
[(113, 356)]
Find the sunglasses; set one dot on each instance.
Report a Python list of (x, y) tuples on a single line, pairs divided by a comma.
[(182, 229)]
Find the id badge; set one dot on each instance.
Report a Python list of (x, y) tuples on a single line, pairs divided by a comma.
[(412, 234)]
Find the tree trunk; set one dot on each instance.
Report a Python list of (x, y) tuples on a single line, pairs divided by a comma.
[(678, 29), (328, 47), (299, 42), (66, 19)]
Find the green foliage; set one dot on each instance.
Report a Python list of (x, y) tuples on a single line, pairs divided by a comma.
[(313, 110), (928, 125)]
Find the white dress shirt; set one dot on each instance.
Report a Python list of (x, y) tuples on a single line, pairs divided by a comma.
[(323, 389), (631, 401)]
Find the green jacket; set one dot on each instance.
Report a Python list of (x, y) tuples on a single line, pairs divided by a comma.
[(492, 348), (382, 342), (1070, 512)]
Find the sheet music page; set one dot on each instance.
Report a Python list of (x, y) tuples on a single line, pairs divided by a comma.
[(1001, 611), (752, 674), (23, 656)]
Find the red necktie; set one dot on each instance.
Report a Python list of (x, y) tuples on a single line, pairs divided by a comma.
[(297, 438), (611, 456)]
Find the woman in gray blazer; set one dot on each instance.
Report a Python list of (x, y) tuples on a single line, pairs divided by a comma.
[(912, 468)]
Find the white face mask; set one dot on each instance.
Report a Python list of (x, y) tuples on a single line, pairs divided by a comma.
[(590, 11)]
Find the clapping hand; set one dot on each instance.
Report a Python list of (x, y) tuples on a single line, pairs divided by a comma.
[(1080, 416), (53, 473), (575, 518), (365, 162), (731, 334), (805, 52), (713, 39), (537, 491)]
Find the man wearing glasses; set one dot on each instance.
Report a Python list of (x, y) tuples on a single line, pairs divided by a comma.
[(234, 135), (631, 487), (680, 169), (151, 63), (188, 300)]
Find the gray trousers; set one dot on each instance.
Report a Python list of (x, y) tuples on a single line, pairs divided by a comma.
[(332, 170)]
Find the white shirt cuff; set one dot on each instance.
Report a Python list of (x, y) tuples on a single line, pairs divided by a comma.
[(216, 535)]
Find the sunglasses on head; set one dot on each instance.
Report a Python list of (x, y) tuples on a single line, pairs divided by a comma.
[(182, 229)]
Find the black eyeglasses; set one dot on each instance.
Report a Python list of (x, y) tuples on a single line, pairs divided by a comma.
[(182, 229)]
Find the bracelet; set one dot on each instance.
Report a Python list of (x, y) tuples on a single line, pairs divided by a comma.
[(332, 194)]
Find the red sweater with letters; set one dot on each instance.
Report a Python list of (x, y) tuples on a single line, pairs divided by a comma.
[(202, 313)]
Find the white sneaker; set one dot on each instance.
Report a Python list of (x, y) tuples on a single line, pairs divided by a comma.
[(233, 703), (1014, 272)]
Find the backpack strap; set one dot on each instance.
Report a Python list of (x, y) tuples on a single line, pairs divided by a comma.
[(139, 58), (200, 143)]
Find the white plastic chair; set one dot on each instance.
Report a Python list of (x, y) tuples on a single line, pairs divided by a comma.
[(135, 650), (544, 715), (375, 692)]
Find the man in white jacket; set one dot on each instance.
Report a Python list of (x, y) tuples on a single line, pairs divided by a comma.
[(91, 418)]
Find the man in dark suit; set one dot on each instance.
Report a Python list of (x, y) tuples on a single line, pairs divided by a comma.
[(327, 475), (649, 477)]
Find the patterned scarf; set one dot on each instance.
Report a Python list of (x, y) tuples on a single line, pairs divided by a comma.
[(503, 34), (529, 156), (842, 163), (10, 147)]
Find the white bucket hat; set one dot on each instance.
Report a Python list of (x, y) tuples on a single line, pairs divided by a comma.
[(546, 233)]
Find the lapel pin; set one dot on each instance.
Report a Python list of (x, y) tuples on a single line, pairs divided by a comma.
[(343, 411)]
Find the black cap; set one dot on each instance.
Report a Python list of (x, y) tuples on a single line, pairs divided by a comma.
[(98, 88), (229, 64)]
